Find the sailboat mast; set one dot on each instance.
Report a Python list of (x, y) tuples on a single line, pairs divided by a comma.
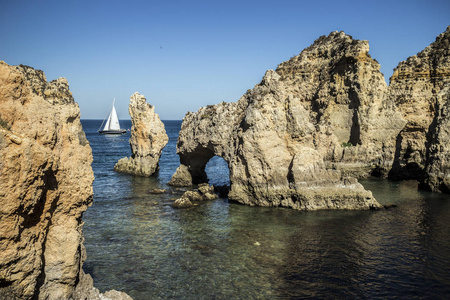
[(112, 109)]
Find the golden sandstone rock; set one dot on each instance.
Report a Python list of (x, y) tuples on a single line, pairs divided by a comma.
[(415, 88), (280, 138), (320, 118), (45, 186), (148, 138), (297, 140)]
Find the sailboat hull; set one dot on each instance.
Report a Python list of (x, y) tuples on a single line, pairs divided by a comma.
[(119, 131)]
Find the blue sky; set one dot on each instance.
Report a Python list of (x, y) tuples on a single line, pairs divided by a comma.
[(182, 55)]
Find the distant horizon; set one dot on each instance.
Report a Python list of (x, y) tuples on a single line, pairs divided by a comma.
[(185, 55)]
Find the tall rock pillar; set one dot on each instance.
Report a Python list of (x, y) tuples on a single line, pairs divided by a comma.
[(148, 138)]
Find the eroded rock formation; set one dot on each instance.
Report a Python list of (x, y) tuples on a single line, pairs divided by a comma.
[(45, 186), (324, 115), (414, 87), (294, 139), (205, 192), (437, 172), (148, 138)]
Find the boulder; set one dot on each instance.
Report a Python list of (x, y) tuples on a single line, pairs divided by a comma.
[(205, 192), (182, 202)]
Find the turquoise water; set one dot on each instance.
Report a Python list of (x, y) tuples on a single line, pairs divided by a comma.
[(137, 243)]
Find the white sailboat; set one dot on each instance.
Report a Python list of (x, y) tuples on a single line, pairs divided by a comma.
[(112, 125)]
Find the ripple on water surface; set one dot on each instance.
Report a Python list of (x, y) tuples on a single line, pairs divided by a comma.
[(136, 242)]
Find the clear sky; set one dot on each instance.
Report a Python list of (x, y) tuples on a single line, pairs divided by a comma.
[(182, 55)]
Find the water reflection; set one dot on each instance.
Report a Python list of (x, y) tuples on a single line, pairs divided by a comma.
[(136, 242)]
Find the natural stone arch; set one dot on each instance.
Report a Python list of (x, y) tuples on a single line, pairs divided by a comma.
[(294, 139), (204, 138), (218, 172), (197, 161)]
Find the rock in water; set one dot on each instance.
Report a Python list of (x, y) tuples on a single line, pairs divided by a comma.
[(45, 186), (148, 138), (294, 139), (414, 87), (205, 192)]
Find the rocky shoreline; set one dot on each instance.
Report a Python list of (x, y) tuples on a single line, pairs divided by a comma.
[(301, 138), (45, 186), (321, 119)]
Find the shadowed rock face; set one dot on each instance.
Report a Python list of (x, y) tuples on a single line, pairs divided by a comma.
[(437, 177), (294, 138), (414, 87), (345, 95), (45, 186), (148, 138), (324, 115)]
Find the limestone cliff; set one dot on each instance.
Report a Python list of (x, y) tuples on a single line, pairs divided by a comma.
[(148, 138), (414, 88), (345, 96), (437, 171), (293, 139), (45, 186)]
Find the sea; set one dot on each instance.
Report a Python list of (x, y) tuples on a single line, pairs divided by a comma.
[(137, 243)]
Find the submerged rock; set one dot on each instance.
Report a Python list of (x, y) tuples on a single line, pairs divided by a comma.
[(45, 186), (294, 139), (182, 202), (157, 191), (148, 138)]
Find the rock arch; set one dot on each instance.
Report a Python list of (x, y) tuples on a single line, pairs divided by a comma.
[(294, 139), (218, 172)]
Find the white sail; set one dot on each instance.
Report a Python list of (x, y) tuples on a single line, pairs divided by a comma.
[(107, 123), (113, 121), (112, 125)]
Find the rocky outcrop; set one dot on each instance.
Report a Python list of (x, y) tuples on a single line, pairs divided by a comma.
[(45, 186), (344, 94), (437, 177), (148, 138), (205, 192), (414, 88), (295, 138), (328, 112)]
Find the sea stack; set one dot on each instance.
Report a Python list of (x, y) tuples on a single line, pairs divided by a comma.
[(45, 186), (300, 137), (148, 138)]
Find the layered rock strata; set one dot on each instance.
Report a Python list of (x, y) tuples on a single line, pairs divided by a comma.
[(148, 138), (437, 177), (294, 139), (45, 186), (414, 87)]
